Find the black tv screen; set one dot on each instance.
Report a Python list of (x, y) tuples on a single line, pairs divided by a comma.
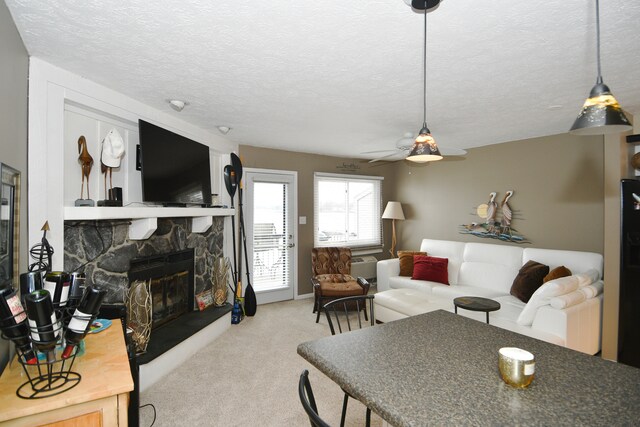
[(175, 169)]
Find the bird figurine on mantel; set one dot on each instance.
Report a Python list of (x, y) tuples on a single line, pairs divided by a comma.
[(86, 163)]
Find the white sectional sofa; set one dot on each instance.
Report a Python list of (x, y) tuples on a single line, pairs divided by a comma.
[(565, 311)]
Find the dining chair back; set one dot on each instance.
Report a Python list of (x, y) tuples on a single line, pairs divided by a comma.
[(346, 314), (343, 315), (308, 401)]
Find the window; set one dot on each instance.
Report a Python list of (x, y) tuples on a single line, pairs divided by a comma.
[(347, 210)]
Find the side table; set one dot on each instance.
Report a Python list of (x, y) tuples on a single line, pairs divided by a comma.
[(476, 304)]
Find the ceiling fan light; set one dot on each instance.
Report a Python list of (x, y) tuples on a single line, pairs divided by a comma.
[(423, 152), (601, 114)]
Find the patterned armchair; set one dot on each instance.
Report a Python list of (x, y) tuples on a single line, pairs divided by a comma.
[(332, 278)]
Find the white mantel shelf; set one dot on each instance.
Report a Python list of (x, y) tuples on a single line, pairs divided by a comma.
[(134, 212), (144, 219)]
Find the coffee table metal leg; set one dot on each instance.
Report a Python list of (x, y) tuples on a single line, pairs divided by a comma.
[(487, 317)]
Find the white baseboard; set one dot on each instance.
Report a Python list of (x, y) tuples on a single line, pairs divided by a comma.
[(153, 371)]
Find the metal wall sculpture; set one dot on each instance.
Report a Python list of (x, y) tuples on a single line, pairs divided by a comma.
[(496, 220)]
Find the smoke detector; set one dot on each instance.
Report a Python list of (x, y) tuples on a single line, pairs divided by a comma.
[(177, 104)]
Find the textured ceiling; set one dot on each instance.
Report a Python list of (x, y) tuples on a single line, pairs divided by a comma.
[(345, 77)]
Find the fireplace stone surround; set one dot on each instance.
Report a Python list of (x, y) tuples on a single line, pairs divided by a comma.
[(103, 251)]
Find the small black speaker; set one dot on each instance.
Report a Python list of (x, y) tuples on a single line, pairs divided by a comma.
[(138, 158)]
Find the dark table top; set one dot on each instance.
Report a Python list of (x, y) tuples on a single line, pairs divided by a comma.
[(476, 304), (440, 368)]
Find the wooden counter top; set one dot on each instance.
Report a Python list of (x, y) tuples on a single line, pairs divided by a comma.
[(104, 369)]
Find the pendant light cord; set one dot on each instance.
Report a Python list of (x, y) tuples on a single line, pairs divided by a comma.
[(599, 80), (424, 70)]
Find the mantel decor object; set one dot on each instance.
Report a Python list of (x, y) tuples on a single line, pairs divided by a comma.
[(86, 163), (112, 152)]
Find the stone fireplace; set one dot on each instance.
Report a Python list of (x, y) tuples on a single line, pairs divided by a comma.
[(103, 251), (179, 263)]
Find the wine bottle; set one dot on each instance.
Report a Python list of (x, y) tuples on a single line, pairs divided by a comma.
[(77, 287), (58, 284), (43, 322), (81, 320), (13, 323)]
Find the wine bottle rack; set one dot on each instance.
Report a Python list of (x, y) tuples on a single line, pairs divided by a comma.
[(50, 375)]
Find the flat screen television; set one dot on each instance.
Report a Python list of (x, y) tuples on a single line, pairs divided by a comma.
[(175, 169)]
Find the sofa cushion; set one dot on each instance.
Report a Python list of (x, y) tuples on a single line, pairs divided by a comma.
[(543, 295), (557, 273), (406, 261), (529, 279), (430, 268), (401, 282), (490, 266), (409, 302), (454, 291)]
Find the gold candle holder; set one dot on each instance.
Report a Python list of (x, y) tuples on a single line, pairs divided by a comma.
[(517, 366)]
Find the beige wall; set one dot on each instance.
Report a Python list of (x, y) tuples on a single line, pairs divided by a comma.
[(14, 70), (306, 165), (558, 199)]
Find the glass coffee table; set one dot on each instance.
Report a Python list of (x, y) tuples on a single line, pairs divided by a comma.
[(476, 304)]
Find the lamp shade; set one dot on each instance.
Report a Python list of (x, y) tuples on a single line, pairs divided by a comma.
[(425, 148), (393, 211), (601, 114)]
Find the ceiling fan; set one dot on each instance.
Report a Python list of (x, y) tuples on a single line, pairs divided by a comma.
[(403, 147)]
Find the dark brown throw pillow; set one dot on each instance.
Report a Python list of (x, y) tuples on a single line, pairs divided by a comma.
[(406, 261), (557, 273), (529, 279)]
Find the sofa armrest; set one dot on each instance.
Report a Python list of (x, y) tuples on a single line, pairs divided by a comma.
[(579, 325), (384, 270)]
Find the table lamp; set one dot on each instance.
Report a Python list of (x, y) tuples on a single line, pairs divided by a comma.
[(393, 211)]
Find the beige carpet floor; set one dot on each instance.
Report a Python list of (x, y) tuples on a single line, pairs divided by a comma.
[(249, 377)]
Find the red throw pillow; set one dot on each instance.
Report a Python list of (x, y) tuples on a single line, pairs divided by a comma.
[(430, 268)]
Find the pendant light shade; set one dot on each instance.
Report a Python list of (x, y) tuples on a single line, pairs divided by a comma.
[(425, 148), (601, 114)]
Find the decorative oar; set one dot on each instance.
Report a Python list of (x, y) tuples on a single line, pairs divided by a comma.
[(250, 303), (231, 184)]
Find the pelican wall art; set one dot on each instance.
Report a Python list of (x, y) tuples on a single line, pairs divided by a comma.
[(496, 220)]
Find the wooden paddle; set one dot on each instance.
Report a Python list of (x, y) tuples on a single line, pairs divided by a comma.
[(250, 302)]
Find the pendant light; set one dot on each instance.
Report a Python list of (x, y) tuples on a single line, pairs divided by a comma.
[(601, 114), (424, 148)]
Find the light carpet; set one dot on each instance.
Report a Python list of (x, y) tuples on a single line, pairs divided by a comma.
[(249, 377)]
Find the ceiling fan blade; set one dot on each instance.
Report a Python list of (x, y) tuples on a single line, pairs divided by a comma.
[(387, 157), (451, 151), (378, 151)]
